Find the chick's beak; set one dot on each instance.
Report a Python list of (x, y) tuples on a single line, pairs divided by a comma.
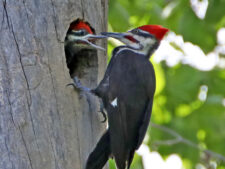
[(86, 39)]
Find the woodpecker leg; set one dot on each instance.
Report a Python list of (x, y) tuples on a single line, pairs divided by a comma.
[(78, 86), (102, 111)]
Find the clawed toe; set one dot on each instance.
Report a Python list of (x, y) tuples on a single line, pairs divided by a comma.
[(78, 86), (104, 116), (102, 112)]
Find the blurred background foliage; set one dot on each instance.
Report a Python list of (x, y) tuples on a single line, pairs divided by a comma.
[(190, 100)]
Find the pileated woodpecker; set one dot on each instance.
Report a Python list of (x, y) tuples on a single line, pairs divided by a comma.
[(80, 37), (127, 91)]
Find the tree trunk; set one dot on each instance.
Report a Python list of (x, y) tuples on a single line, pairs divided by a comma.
[(43, 123)]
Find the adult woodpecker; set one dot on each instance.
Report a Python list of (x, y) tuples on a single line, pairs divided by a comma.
[(127, 91), (80, 36)]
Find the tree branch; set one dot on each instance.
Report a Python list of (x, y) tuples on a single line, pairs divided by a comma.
[(179, 139)]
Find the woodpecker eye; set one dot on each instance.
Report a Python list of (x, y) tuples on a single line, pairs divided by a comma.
[(136, 31), (80, 32)]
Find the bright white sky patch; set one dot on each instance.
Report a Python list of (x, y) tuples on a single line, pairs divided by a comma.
[(153, 160), (174, 50), (221, 36), (199, 7), (220, 48), (168, 53), (195, 57)]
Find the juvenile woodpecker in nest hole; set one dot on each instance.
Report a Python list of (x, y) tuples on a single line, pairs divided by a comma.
[(79, 37), (79, 41)]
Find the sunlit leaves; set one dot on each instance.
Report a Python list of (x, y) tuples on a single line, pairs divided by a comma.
[(160, 78), (183, 110)]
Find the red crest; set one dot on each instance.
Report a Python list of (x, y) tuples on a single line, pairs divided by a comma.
[(157, 30), (81, 25)]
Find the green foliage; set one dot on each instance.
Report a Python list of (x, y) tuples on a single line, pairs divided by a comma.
[(177, 104), (199, 121)]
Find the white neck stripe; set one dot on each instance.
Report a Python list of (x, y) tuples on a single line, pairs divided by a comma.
[(127, 48)]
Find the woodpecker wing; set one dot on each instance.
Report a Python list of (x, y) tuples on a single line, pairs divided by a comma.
[(144, 123)]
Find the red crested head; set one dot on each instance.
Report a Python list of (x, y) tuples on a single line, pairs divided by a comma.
[(156, 30), (81, 25)]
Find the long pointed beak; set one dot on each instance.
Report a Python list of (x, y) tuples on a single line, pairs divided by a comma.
[(125, 38), (114, 35)]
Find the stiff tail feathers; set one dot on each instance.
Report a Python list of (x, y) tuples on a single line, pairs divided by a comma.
[(100, 155)]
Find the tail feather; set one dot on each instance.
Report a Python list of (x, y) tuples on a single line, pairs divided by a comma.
[(121, 158), (125, 163), (131, 156), (100, 154), (121, 164)]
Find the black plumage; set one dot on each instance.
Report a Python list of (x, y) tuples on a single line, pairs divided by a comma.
[(129, 119)]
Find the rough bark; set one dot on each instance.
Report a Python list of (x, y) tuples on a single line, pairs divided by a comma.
[(43, 123)]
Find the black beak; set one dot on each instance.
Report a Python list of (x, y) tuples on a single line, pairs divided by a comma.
[(125, 38), (91, 36), (114, 35)]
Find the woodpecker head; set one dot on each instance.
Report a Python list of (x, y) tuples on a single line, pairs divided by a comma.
[(144, 39), (81, 34)]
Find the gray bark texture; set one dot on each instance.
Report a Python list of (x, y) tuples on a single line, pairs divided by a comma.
[(43, 123)]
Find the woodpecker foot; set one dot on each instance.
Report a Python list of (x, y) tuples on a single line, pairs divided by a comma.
[(103, 112), (78, 86)]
